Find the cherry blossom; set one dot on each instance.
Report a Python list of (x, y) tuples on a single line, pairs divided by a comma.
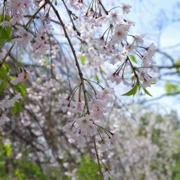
[(86, 126), (115, 78), (120, 33), (109, 174), (146, 78), (117, 58), (3, 120), (114, 138), (23, 38), (126, 8), (5, 23), (105, 93), (114, 18), (8, 103), (138, 39), (19, 6), (23, 76)]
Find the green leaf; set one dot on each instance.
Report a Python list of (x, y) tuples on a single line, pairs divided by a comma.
[(6, 18), (102, 71), (147, 92), (6, 66), (133, 90), (17, 107), (171, 88), (83, 59), (178, 64), (87, 169), (20, 87), (5, 32), (96, 78), (4, 69), (133, 58), (3, 85), (7, 149), (11, 77), (19, 174)]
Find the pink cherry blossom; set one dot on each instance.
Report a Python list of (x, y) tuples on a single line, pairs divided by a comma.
[(126, 8), (120, 33), (23, 38), (23, 76), (86, 126), (3, 119), (114, 78)]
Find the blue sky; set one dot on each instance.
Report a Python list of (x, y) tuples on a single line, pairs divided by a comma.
[(145, 13)]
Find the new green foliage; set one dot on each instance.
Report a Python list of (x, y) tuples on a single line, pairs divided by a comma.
[(3, 85), (83, 59), (7, 149), (21, 87), (133, 90), (88, 169), (17, 107), (96, 78), (4, 69), (133, 58), (5, 32), (147, 92), (171, 88), (177, 63)]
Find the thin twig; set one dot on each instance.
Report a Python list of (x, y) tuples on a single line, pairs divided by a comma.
[(97, 156), (74, 54)]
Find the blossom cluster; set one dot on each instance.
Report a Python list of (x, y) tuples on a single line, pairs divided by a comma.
[(134, 151), (5, 104), (116, 45), (87, 126), (35, 41), (86, 104)]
